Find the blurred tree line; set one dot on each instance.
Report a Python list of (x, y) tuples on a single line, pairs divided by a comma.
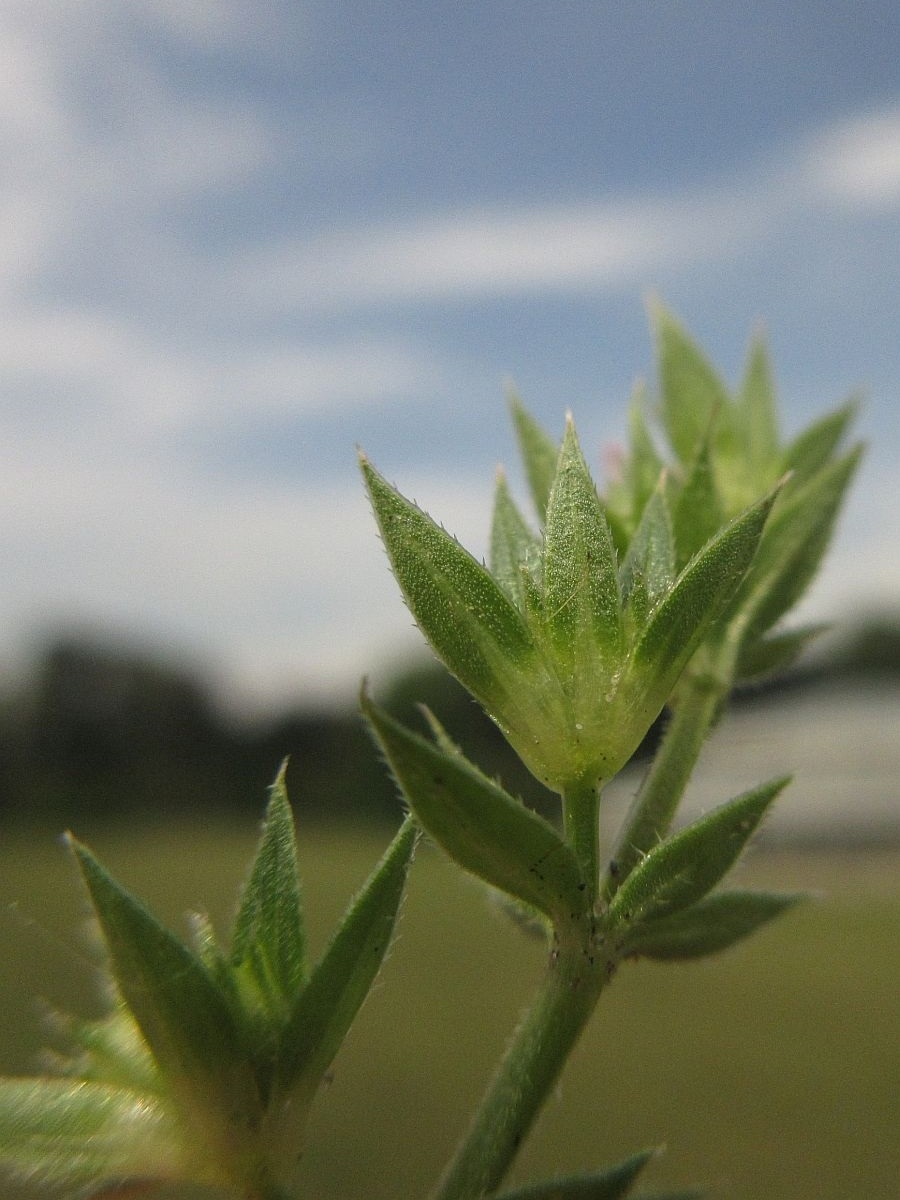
[(100, 732)]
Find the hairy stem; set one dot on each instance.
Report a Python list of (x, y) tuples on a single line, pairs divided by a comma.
[(582, 828), (663, 787), (528, 1071)]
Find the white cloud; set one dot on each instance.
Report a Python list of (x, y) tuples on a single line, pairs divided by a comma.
[(286, 584), (502, 250), (195, 24), (300, 379), (200, 24), (497, 251), (31, 116), (100, 374), (108, 154), (858, 161)]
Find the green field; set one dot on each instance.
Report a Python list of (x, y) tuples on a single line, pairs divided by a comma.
[(772, 1072)]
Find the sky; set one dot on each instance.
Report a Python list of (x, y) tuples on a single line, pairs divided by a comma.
[(238, 240)]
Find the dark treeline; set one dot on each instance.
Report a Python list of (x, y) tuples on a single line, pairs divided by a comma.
[(99, 731)]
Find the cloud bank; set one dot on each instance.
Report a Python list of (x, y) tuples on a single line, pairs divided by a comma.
[(148, 302)]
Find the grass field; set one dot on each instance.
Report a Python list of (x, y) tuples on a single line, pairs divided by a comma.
[(771, 1073)]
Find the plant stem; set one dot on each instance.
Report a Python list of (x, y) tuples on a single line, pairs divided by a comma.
[(528, 1071), (660, 793), (580, 805)]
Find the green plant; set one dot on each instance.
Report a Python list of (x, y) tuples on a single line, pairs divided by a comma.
[(663, 593)]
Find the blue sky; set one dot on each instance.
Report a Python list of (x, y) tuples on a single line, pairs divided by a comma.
[(239, 239)]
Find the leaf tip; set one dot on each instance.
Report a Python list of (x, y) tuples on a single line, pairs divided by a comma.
[(511, 392), (653, 305), (83, 856), (280, 782)]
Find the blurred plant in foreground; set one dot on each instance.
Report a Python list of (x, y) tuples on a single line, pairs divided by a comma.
[(662, 593)]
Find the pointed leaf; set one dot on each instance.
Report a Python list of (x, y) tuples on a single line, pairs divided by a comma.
[(702, 592), (608, 1184), (634, 476), (539, 454), (643, 466), (327, 1006), (71, 1133), (581, 586), (206, 947), (767, 656), (697, 514), (757, 411), (112, 1051), (268, 941), (711, 925), (691, 390), (527, 919), (512, 543), (442, 738), (470, 622), (533, 607), (479, 825), (681, 870), (793, 545), (812, 448), (745, 453), (648, 569), (184, 1016)]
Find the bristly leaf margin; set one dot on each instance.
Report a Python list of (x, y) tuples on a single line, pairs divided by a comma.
[(268, 936)]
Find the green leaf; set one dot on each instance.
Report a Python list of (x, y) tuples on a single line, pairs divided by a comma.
[(681, 870), (268, 941), (608, 1184), (648, 569), (634, 477), (327, 1006), (533, 599), (711, 925), (479, 824), (206, 947), (702, 592), (581, 586), (691, 390), (184, 1016), (756, 411), (71, 1133), (697, 514), (767, 656), (744, 443), (528, 920), (469, 620), (643, 466), (793, 545), (442, 738), (539, 452), (112, 1051), (812, 449), (513, 545)]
